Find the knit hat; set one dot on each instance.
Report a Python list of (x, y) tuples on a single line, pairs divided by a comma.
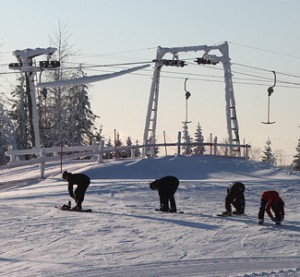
[(153, 185), (65, 174)]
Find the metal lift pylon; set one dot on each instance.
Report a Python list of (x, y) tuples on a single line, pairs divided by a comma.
[(149, 137)]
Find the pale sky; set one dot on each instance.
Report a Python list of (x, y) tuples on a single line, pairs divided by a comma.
[(263, 36)]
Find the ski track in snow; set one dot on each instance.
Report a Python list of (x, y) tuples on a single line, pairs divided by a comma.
[(124, 236)]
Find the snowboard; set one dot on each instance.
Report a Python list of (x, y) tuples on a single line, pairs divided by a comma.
[(270, 225), (178, 212), (70, 210), (233, 215)]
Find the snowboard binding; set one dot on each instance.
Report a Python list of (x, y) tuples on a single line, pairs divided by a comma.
[(66, 206)]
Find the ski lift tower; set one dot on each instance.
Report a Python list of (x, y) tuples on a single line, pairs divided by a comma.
[(207, 58), (26, 65)]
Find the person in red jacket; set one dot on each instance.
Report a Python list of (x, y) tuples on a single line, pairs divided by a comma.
[(271, 200)]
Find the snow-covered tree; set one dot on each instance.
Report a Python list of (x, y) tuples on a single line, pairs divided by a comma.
[(296, 161), (77, 111), (268, 156), (58, 113), (187, 149), (7, 136), (199, 138), (98, 134), (118, 141), (108, 155), (69, 115), (19, 115), (137, 150), (128, 143)]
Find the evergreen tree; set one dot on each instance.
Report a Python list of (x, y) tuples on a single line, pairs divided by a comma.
[(19, 115), (199, 138), (137, 152), (98, 134), (7, 136), (296, 161), (128, 143), (118, 143), (187, 149), (109, 143), (45, 131), (108, 155), (268, 156), (79, 114), (70, 118)]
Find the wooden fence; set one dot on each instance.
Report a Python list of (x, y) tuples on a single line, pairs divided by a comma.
[(99, 152)]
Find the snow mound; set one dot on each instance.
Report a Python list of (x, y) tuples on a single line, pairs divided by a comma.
[(187, 168)]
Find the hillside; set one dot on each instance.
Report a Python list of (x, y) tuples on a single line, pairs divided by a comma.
[(124, 236)]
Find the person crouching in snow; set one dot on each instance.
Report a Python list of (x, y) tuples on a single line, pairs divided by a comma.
[(235, 197), (166, 187), (271, 200), (82, 181)]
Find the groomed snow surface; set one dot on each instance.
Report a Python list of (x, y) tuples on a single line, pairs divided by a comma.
[(124, 236)]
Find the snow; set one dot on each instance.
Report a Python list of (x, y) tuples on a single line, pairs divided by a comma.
[(88, 79), (31, 53), (124, 236)]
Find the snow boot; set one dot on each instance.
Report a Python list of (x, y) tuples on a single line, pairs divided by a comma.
[(78, 207), (227, 213)]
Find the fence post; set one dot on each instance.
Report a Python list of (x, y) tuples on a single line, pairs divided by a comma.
[(210, 140), (215, 145), (178, 143), (43, 162), (94, 144), (247, 151), (101, 151), (12, 157)]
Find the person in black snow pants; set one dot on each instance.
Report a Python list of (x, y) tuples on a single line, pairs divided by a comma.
[(82, 181), (166, 187), (270, 200), (235, 197)]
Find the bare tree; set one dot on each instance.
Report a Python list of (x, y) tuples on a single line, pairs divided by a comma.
[(71, 120)]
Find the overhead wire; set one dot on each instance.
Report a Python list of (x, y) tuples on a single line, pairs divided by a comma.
[(260, 81), (264, 50), (256, 78), (120, 52)]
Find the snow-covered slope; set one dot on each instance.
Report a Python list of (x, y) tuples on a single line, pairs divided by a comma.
[(124, 236)]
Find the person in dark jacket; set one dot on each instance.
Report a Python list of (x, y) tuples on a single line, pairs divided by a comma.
[(235, 197), (166, 187), (271, 200), (82, 181)]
